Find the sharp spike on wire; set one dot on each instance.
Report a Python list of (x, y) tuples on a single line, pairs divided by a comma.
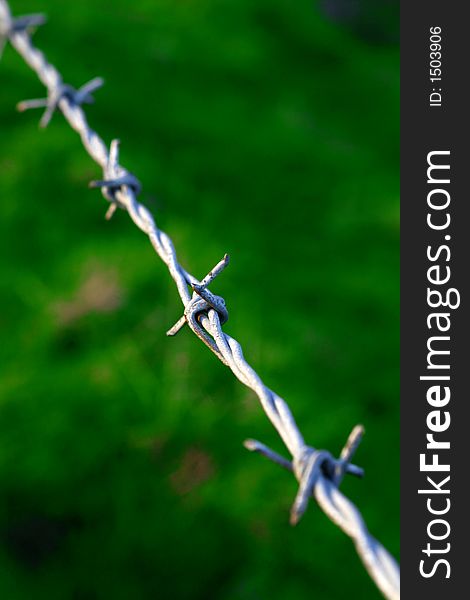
[(213, 301), (255, 446)]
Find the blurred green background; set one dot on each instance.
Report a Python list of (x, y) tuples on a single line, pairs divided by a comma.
[(268, 130)]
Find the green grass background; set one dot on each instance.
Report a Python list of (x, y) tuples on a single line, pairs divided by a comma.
[(268, 130)]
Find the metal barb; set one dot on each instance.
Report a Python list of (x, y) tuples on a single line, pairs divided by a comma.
[(310, 464), (343, 465), (255, 446), (307, 469), (115, 179), (9, 26), (317, 471), (76, 97), (27, 22), (210, 299)]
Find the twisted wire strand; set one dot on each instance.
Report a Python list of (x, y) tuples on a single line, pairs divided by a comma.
[(317, 472)]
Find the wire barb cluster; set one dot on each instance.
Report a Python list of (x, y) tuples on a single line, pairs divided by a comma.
[(9, 25), (81, 96), (317, 472), (115, 178)]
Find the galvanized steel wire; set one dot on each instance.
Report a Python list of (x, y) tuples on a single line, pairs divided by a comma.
[(317, 472)]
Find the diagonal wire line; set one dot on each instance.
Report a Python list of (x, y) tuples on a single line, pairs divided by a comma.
[(316, 471)]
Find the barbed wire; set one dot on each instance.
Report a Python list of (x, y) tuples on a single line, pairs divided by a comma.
[(318, 473)]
